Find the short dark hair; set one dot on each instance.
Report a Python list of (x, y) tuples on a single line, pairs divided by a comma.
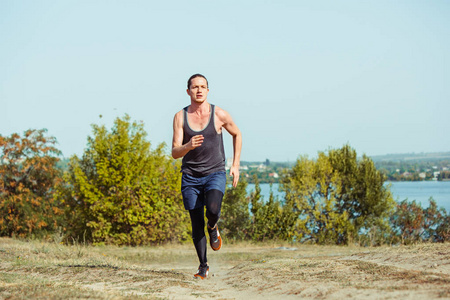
[(195, 76)]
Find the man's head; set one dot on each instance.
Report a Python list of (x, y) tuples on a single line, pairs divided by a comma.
[(195, 76), (198, 88)]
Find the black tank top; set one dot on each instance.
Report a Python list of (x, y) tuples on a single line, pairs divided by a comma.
[(210, 156)]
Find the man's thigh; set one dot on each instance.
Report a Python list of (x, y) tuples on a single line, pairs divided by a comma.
[(216, 181), (192, 189)]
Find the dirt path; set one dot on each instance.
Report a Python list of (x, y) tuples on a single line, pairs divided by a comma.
[(49, 271), (418, 272)]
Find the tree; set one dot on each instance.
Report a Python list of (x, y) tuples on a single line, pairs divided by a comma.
[(271, 220), (288, 221), (28, 174), (122, 192), (264, 217), (436, 223), (337, 196), (363, 196), (412, 223), (314, 189), (408, 221), (235, 214)]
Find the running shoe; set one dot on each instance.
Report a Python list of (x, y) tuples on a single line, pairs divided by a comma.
[(214, 238), (202, 272)]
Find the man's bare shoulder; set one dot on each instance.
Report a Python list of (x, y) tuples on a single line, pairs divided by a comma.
[(179, 113), (221, 113), (178, 118)]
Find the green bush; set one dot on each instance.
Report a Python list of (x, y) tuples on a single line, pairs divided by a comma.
[(338, 197), (122, 192)]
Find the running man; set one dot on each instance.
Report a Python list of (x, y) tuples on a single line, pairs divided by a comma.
[(197, 138)]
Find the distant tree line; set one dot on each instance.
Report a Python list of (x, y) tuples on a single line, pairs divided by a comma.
[(415, 170), (264, 172), (123, 192)]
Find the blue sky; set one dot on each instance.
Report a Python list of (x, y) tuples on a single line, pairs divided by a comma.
[(298, 77)]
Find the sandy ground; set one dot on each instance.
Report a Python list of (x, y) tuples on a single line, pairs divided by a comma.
[(312, 272), (236, 272)]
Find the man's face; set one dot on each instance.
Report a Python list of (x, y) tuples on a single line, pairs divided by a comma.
[(198, 90)]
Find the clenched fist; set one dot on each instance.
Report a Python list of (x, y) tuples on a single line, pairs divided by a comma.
[(196, 141)]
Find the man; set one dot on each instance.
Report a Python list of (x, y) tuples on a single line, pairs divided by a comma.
[(197, 137)]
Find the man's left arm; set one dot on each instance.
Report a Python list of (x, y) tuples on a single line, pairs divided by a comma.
[(232, 128)]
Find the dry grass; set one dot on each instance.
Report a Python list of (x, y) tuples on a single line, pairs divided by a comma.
[(42, 270)]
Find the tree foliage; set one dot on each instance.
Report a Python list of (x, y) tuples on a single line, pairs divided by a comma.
[(235, 215), (28, 174), (412, 223), (272, 219), (253, 218), (337, 196), (264, 215), (122, 192)]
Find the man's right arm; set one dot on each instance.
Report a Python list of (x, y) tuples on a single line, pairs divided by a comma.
[(178, 149)]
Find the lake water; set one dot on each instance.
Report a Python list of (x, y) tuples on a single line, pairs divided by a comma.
[(420, 191)]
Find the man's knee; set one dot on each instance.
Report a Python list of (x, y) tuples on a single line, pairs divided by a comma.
[(198, 223), (213, 206)]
